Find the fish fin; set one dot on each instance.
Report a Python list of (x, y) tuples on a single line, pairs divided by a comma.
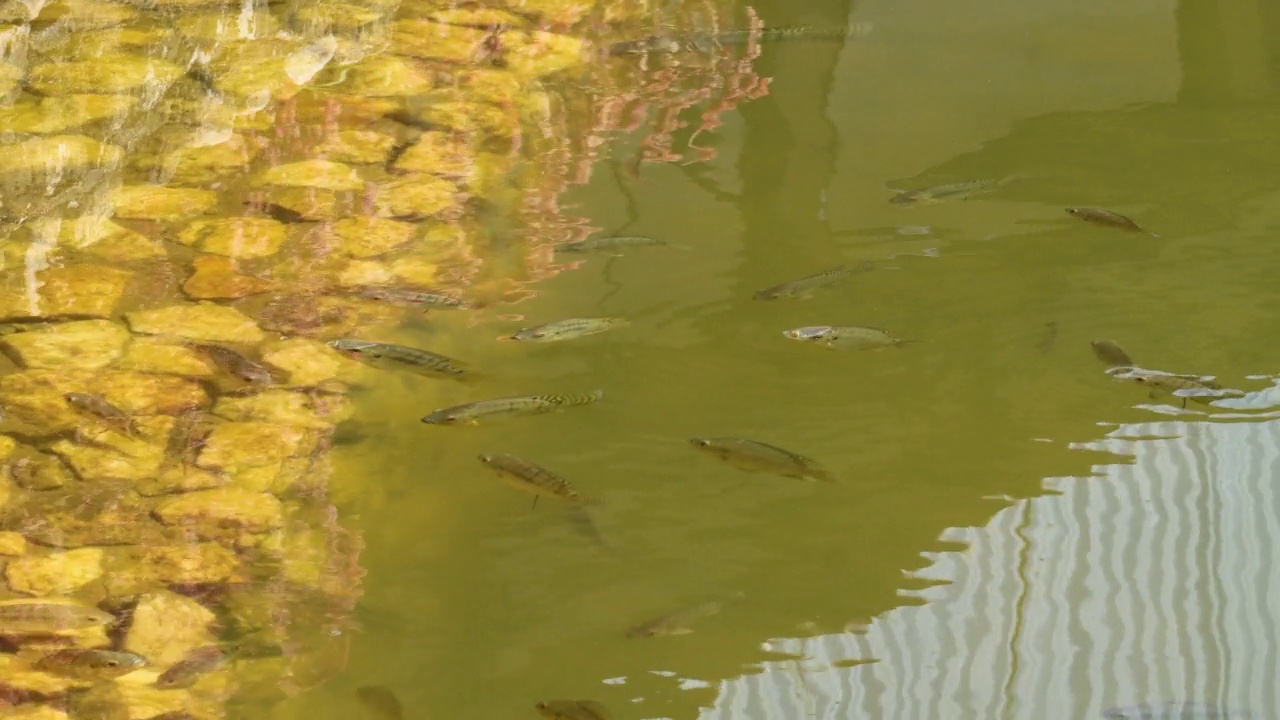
[(820, 474), (535, 503)]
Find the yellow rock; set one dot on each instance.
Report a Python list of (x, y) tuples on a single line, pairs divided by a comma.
[(364, 272), (426, 39), (113, 74), (7, 446), (139, 393), (556, 12), (437, 153), (29, 711), (233, 446), (74, 290), (214, 278), (91, 44), (81, 15), (538, 53), (388, 76), (366, 237), (202, 164), (101, 238), (356, 146), (12, 543), (177, 478), (214, 26), (45, 115), (313, 203), (36, 470), (150, 355), (213, 323), (339, 16), (166, 626), (322, 174), (282, 407), (416, 196), (237, 237), (10, 75), (57, 573), (189, 564), (468, 116), (480, 17), (124, 458), (35, 396), (223, 508), (308, 362), (317, 107), (415, 271), (87, 344), (158, 202), (57, 154), (17, 674)]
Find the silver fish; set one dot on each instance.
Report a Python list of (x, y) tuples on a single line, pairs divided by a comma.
[(852, 337), (608, 243), (404, 296), (948, 191), (386, 356), (567, 329), (805, 286), (755, 456), (470, 413)]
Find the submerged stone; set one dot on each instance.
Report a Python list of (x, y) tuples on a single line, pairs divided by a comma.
[(103, 239), (365, 272), (239, 237), (469, 116), (365, 237), (324, 315), (426, 39), (45, 115), (12, 544), (56, 155), (416, 196), (72, 291), (158, 202), (479, 17), (89, 344), (223, 508), (180, 479), (388, 76), (200, 164), (215, 278), (113, 456), (356, 146), (81, 15), (35, 470), (312, 204), (199, 563), (81, 514), (166, 626), (538, 53), (308, 362), (150, 355), (277, 407), (437, 153), (338, 16), (113, 74), (55, 573), (213, 27), (139, 393), (212, 323), (322, 174), (235, 446)]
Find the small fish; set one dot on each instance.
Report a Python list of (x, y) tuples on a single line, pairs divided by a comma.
[(277, 212), (235, 364), (1050, 336), (567, 329), (110, 415), (380, 701), (1100, 216), (949, 191), (35, 616), (386, 356), (851, 337), (1187, 387), (1174, 711), (1111, 354), (187, 670), (608, 243), (755, 456), (470, 413), (573, 710), (530, 477), (89, 664), (805, 286), (678, 622), (404, 296)]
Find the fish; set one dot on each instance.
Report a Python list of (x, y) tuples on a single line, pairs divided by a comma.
[(380, 701), (1111, 354), (469, 413), (110, 415), (949, 191), (804, 287), (853, 337), (530, 477), (678, 622), (707, 42), (1187, 387), (1099, 216), (277, 212), (186, 671), (567, 329), (235, 364), (755, 456), (405, 296), (386, 356), (36, 617), (1174, 711), (89, 663), (608, 243), (573, 710)]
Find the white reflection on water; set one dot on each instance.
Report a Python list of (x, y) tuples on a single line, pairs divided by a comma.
[(1150, 582)]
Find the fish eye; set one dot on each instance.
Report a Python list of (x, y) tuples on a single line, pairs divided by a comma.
[(111, 663)]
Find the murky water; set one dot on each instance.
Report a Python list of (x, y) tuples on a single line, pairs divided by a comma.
[(1011, 532)]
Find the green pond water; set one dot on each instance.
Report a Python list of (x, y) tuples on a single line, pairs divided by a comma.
[(1012, 533)]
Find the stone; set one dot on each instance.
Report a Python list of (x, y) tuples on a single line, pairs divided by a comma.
[(188, 564), (437, 153), (40, 471), (426, 39), (166, 626), (308, 362), (29, 711), (320, 174), (356, 146), (281, 407), (158, 202), (234, 446), (46, 115), (55, 573), (365, 272), (554, 12), (81, 15), (114, 74), (479, 17), (114, 456), (12, 544), (417, 271), (538, 53), (139, 393), (214, 277), (103, 239), (339, 16), (19, 676), (180, 479), (388, 76), (210, 323), (416, 196), (72, 291), (201, 164), (366, 237), (88, 344), (223, 508), (238, 237), (471, 117), (150, 355), (57, 154), (213, 27)]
